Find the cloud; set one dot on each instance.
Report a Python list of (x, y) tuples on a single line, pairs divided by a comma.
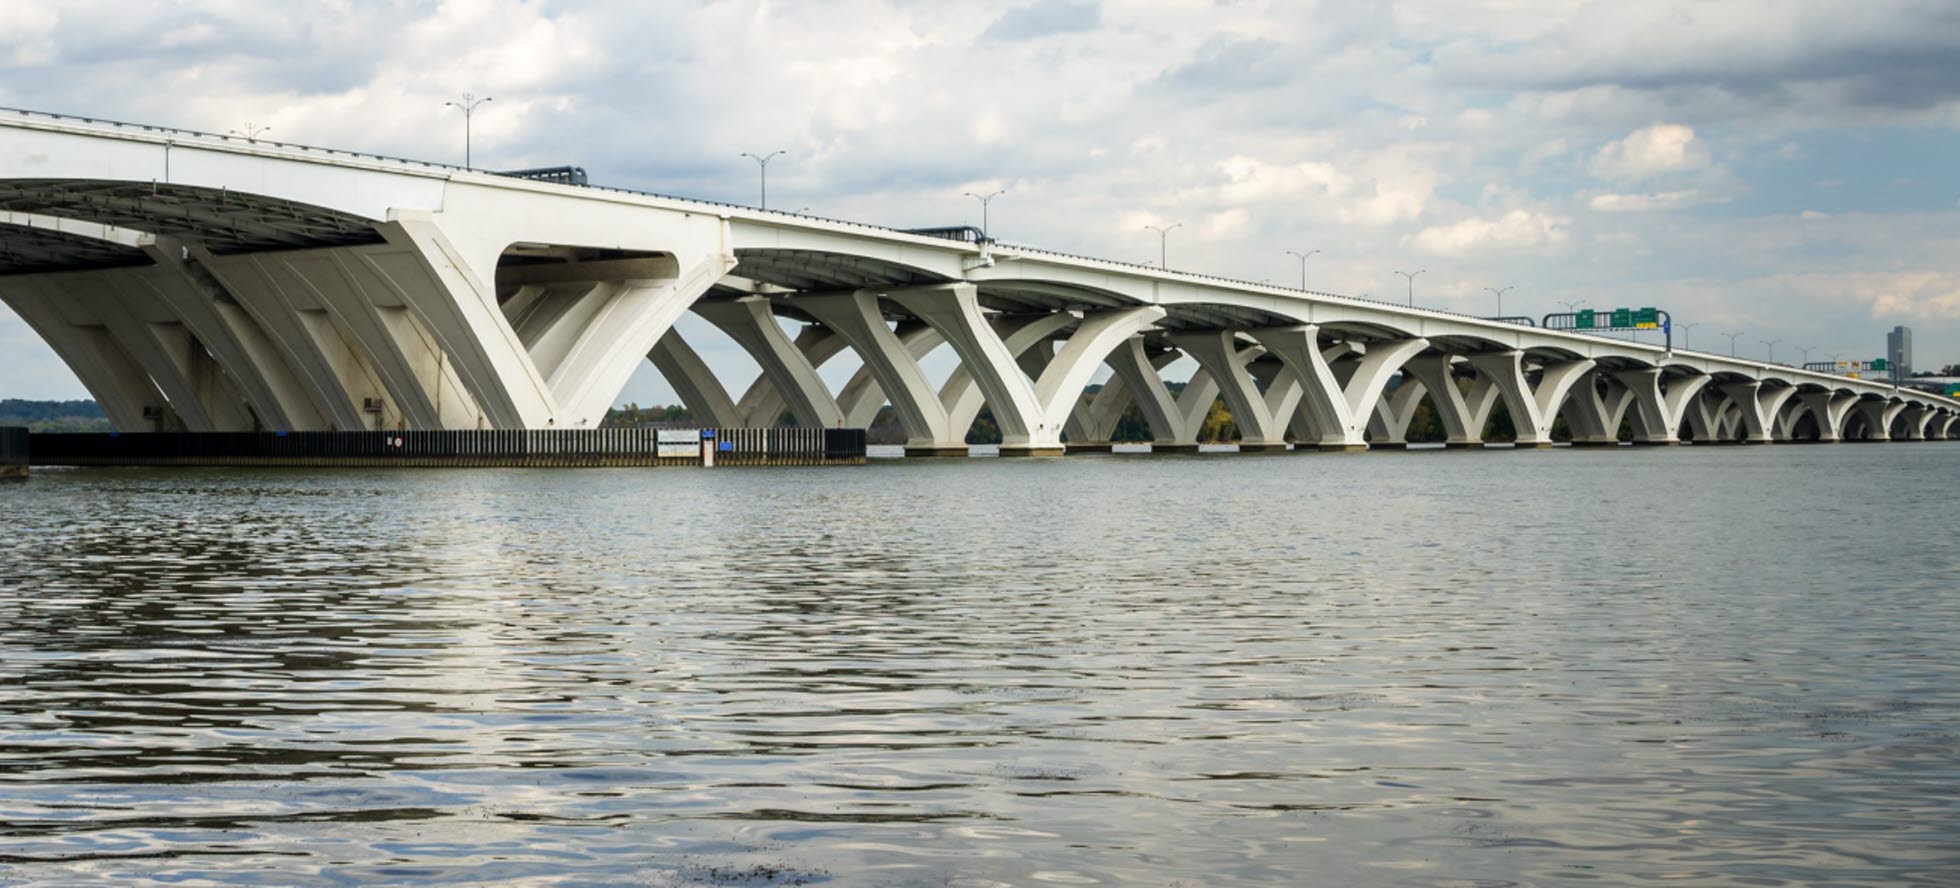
[(1045, 19), (1758, 56), (1645, 203), (1517, 230), (1645, 153)]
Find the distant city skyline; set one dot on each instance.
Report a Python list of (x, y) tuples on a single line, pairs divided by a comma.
[(1791, 182)]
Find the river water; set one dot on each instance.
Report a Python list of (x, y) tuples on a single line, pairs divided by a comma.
[(1699, 664)]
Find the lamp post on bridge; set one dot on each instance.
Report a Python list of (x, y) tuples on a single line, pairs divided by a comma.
[(1303, 264), (1805, 350), (1732, 337), (1499, 293), (984, 200), (468, 104), (1571, 307), (762, 166), (1411, 275), (251, 132), (1687, 335), (1163, 235), (1772, 348)]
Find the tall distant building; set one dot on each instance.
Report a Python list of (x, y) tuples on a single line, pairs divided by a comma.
[(1898, 349)]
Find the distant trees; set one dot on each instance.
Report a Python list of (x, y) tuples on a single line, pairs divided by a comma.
[(53, 416)]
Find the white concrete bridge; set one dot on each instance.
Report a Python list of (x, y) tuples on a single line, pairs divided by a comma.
[(201, 282)]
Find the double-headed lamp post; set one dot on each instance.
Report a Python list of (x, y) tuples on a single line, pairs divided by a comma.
[(1499, 293), (1411, 275), (1772, 348), (1732, 338), (1303, 264), (984, 200), (1163, 238), (1805, 350), (762, 166), (1687, 335), (251, 132), (468, 104)]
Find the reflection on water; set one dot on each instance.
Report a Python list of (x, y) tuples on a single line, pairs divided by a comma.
[(1701, 665)]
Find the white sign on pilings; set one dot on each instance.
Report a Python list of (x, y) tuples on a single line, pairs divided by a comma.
[(685, 443)]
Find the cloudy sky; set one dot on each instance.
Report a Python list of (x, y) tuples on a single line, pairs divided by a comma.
[(1782, 168)]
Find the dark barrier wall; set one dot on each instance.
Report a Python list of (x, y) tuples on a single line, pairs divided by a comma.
[(581, 447), (13, 452)]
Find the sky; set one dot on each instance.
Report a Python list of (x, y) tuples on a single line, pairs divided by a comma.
[(1781, 169)]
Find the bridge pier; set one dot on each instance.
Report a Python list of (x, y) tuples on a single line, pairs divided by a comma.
[(1595, 408), (1259, 415), (1830, 410), (1463, 414), (1337, 409), (1532, 407), (1660, 403), (751, 322)]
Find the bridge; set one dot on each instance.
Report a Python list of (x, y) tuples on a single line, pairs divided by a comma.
[(201, 282)]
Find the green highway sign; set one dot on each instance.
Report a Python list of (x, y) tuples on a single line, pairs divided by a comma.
[(1622, 318), (1583, 319)]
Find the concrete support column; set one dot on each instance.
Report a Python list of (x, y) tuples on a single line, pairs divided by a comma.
[(699, 390), (1595, 408), (1659, 411), (1031, 415), (1757, 407), (1338, 409), (862, 397), (127, 396), (197, 389), (751, 322), (248, 355), (1261, 427), (860, 319), (762, 405), (1020, 335), (1532, 407), (1829, 409), (1137, 370), (1463, 414), (1916, 417), (1388, 425), (1878, 418)]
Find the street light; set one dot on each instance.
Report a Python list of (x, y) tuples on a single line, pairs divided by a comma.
[(1499, 291), (1303, 264), (1687, 334), (1163, 235), (1572, 307), (762, 164), (251, 131), (1732, 338), (1411, 275), (468, 104), (1772, 348), (984, 201), (1805, 350)]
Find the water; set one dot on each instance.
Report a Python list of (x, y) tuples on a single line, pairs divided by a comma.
[(1701, 665)]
